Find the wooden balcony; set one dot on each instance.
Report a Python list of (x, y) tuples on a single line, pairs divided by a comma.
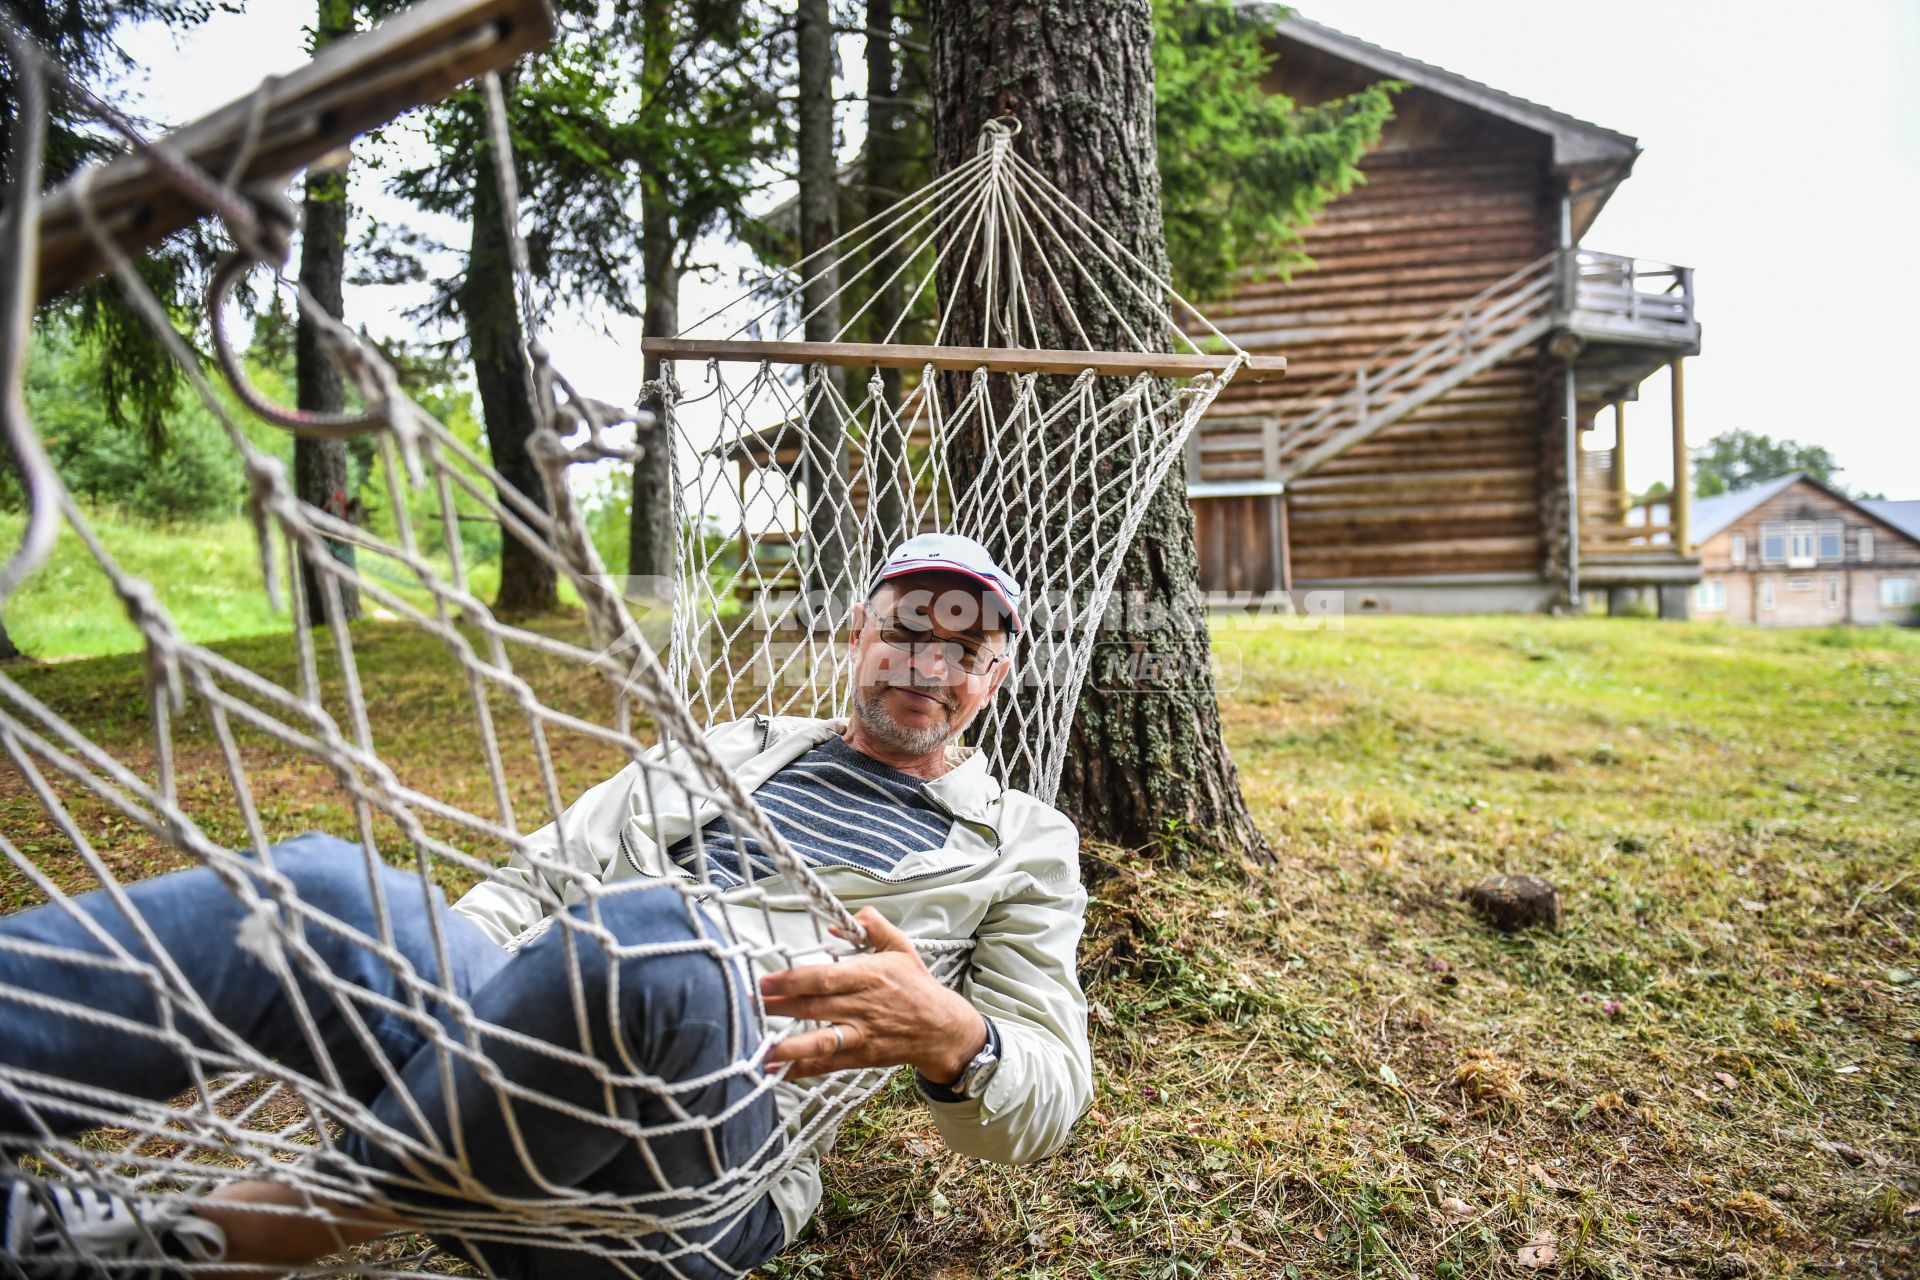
[(1618, 320), (1609, 298)]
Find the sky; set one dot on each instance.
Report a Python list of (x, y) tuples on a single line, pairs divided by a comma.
[(1781, 162)]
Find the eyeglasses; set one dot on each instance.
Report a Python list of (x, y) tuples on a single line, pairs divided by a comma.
[(970, 656)]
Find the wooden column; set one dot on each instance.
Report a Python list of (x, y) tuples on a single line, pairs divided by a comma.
[(1571, 388), (1283, 549), (1682, 482), (1622, 495)]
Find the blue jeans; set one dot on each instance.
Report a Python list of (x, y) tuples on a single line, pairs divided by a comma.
[(682, 1016)]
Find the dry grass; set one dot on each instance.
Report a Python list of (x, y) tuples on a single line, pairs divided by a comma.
[(1326, 1067)]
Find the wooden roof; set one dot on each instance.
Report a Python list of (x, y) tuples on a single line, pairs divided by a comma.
[(1589, 158)]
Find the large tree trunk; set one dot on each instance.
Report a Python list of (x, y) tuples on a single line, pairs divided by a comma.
[(887, 479), (490, 305), (650, 531), (1144, 764), (829, 518), (320, 466)]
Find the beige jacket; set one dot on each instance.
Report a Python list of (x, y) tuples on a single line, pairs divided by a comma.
[(1008, 878)]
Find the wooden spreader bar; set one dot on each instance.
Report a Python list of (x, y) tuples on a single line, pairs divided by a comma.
[(415, 57), (891, 355)]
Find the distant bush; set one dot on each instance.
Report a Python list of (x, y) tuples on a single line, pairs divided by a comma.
[(608, 502), (189, 473)]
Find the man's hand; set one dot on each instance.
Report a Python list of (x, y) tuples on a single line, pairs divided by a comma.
[(889, 1011)]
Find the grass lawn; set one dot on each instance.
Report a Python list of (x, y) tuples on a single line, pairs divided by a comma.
[(67, 609), (1325, 1066)]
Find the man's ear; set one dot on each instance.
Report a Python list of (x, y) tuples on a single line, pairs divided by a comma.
[(856, 622), (1001, 670)]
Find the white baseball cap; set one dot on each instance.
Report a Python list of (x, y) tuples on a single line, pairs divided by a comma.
[(953, 553)]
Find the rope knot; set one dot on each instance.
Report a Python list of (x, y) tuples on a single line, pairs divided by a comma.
[(999, 133), (266, 487), (150, 617), (270, 238)]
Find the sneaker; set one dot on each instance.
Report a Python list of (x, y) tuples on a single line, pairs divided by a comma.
[(60, 1231)]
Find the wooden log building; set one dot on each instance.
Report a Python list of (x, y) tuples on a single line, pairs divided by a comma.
[(1447, 351)]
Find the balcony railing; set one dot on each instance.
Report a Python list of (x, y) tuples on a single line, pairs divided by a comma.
[(1607, 295)]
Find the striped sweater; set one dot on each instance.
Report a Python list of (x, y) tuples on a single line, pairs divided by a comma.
[(836, 807)]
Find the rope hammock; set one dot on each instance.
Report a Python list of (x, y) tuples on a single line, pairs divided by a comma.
[(1047, 456)]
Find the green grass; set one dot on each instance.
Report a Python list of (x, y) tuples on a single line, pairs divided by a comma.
[(207, 576), (1325, 1066)]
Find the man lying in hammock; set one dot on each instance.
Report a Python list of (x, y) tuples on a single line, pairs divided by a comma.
[(897, 819)]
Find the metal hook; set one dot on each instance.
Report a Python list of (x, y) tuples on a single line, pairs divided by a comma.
[(322, 426)]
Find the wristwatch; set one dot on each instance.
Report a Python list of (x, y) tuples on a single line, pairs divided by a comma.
[(974, 1077)]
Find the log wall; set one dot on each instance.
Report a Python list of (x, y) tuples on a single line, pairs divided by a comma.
[(1453, 201)]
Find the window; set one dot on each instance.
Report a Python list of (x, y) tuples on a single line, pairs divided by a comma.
[(1866, 546), (1833, 540), (1833, 591), (1740, 548), (1766, 593), (1710, 594), (1799, 544), (1896, 593), (1773, 543), (1799, 584)]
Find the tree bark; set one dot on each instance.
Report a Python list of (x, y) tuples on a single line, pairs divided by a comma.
[(887, 479), (320, 466), (1146, 765), (650, 531), (829, 517), (489, 303)]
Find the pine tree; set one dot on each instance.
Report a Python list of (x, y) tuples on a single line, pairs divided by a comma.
[(1240, 167), (1149, 767), (826, 471), (137, 376), (574, 151), (320, 472), (709, 119), (1081, 82)]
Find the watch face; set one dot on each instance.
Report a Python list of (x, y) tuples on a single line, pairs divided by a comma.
[(973, 1081)]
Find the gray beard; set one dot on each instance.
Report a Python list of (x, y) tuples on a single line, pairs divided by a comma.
[(878, 721)]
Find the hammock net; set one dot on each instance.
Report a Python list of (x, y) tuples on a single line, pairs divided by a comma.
[(789, 482)]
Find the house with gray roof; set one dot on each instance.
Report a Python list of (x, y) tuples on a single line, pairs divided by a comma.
[(1793, 552)]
